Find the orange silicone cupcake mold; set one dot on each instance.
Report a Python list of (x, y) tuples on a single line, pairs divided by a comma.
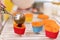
[(42, 16)]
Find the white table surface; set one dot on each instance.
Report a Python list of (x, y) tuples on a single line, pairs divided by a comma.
[(8, 33)]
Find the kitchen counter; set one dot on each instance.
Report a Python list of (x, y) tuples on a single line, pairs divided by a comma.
[(8, 33)]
